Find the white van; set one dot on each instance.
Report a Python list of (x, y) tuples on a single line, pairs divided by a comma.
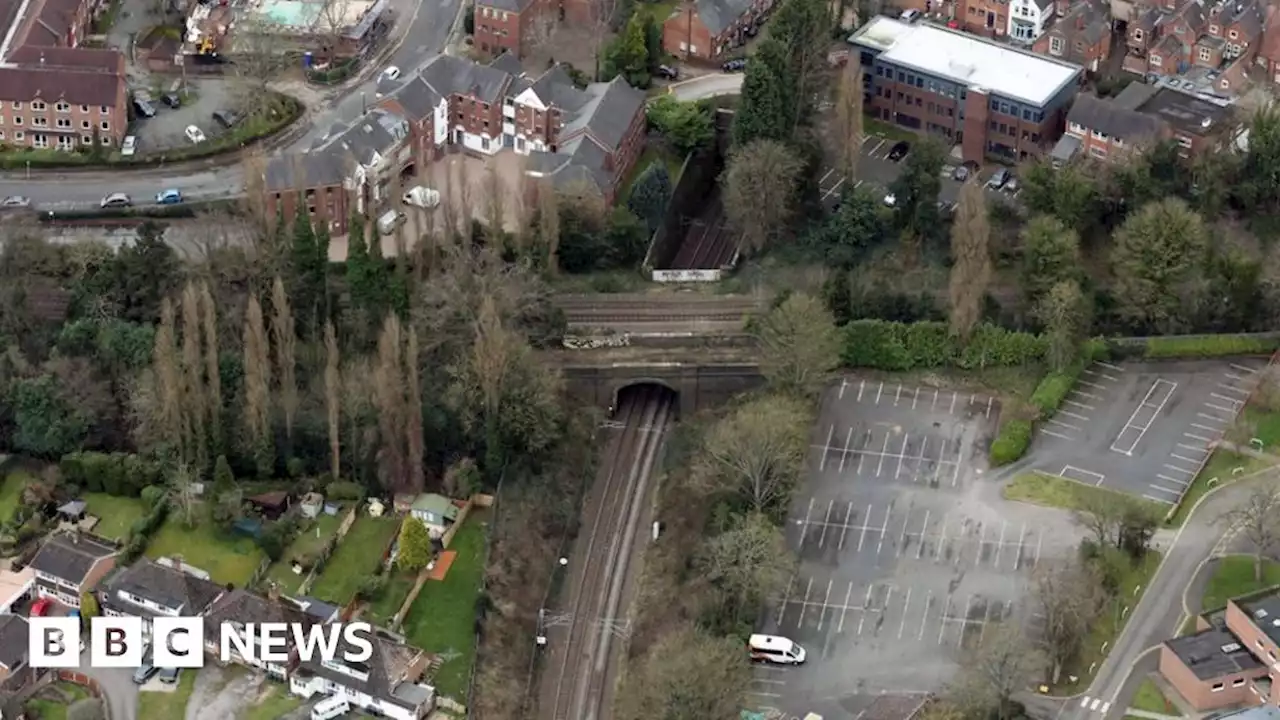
[(389, 221), (330, 708), (909, 16), (775, 649)]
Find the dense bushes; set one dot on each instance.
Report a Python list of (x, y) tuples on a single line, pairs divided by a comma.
[(1012, 442), (887, 345), (340, 490), (143, 528), (1203, 346), (121, 474)]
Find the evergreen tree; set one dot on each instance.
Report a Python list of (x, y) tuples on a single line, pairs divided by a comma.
[(303, 276), (650, 195), (767, 104), (359, 275)]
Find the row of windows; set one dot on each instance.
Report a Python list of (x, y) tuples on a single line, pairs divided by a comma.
[(65, 142), (934, 108), (60, 106), (919, 81), (61, 123), (1027, 114), (1012, 131)]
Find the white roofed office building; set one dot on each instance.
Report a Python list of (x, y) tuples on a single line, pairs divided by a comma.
[(991, 99)]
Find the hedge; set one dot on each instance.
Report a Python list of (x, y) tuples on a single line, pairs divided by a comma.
[(142, 212), (1011, 443), (889, 345), (1204, 346), (120, 474)]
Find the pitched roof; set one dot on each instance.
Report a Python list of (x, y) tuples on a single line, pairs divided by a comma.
[(436, 504), (13, 640), (242, 606), (507, 63), (168, 587), (386, 672), (508, 5), (70, 556), (304, 170), (718, 15), (1111, 119), (448, 75), (608, 114)]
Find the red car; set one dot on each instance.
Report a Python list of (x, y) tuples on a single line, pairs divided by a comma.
[(40, 607)]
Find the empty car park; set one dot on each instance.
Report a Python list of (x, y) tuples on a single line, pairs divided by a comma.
[(1144, 428), (907, 557)]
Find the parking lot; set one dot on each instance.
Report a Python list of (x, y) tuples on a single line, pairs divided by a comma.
[(1144, 428), (167, 129), (906, 556)]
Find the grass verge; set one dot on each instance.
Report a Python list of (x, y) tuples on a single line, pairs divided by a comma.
[(168, 705), (56, 709), (1233, 577), (892, 132), (1220, 468), (397, 589), (1040, 488), (275, 703), (11, 493), (227, 560), (357, 557), (442, 619), (115, 514), (1109, 626), (1150, 698)]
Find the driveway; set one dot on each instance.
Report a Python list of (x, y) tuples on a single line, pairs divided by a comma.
[(117, 684), (222, 693)]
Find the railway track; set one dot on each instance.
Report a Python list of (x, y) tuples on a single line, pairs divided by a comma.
[(578, 678), (597, 310)]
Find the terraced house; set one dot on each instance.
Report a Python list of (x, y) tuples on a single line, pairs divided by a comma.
[(1209, 45), (707, 29), (989, 98)]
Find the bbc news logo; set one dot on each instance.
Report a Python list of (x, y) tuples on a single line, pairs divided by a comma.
[(179, 642)]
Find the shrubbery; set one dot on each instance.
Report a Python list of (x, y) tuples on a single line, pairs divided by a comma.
[(1203, 346), (120, 474), (143, 528), (887, 345), (1012, 442), (341, 490)]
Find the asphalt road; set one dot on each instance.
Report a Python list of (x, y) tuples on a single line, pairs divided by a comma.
[(707, 86), (426, 35)]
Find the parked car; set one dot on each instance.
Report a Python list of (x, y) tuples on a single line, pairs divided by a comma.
[(739, 65), (129, 146), (225, 118), (168, 197), (422, 197), (171, 99), (169, 676), (910, 16), (668, 72), (145, 672), (116, 199), (195, 134), (1011, 185), (391, 73), (144, 108), (998, 179), (960, 174), (14, 202), (899, 150)]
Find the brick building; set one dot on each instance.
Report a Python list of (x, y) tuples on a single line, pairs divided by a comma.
[(54, 94), (1105, 129), (1231, 659), (515, 25), (988, 98), (1081, 35), (576, 137), (707, 29), (1181, 37)]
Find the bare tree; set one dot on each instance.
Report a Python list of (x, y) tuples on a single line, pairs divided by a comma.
[(1258, 520), (849, 122), (194, 400), (168, 381), (758, 451), (971, 260), (213, 373), (333, 24), (184, 494), (603, 15), (687, 674), (549, 221), (286, 340), (1004, 664), (799, 344), (358, 406), (413, 415), (389, 396), (1067, 596), (494, 202), (333, 399), (257, 385), (258, 61), (759, 191), (748, 563)]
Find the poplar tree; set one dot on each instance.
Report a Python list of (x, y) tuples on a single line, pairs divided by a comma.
[(168, 380), (284, 334), (333, 398), (971, 260), (257, 389), (213, 371), (413, 415), (388, 381), (194, 401)]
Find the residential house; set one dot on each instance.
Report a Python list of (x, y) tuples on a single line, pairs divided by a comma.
[(707, 29), (1189, 37), (53, 93), (988, 18), (15, 672), (989, 98), (69, 564), (436, 512), (1028, 19), (320, 610), (1232, 658), (1105, 130), (147, 589), (1140, 115), (1269, 52), (239, 607), (15, 588), (385, 685), (1081, 35), (515, 26)]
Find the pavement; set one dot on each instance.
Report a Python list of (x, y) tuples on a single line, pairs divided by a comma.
[(424, 27), (118, 688), (706, 86)]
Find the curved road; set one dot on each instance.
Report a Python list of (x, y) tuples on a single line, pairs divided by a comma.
[(429, 24)]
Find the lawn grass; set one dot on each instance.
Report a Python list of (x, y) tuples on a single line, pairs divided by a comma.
[(168, 705), (1150, 698), (872, 126), (1221, 465), (276, 703), (1053, 491), (115, 514), (1233, 577), (307, 542), (11, 493), (1109, 626), (357, 557), (53, 709), (227, 560), (399, 584), (442, 619)]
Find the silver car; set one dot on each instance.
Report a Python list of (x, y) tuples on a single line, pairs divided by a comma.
[(116, 199), (998, 180), (14, 202)]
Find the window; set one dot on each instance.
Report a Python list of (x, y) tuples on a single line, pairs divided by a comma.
[(38, 121), (1098, 151), (38, 105), (105, 125), (85, 125), (1004, 108), (86, 139), (1155, 59), (1056, 46), (1214, 30), (1137, 33), (17, 119), (1204, 54), (62, 107), (103, 110), (64, 123), (84, 108), (18, 136), (995, 104), (1218, 687), (1238, 683), (1233, 34), (39, 140)]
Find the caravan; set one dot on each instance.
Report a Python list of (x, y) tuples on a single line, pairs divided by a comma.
[(329, 708)]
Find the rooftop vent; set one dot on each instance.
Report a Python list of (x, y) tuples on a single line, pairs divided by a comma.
[(1230, 648), (1275, 622), (1260, 613)]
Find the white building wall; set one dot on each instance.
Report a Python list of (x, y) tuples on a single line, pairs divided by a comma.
[(1023, 13), (481, 143), (440, 123)]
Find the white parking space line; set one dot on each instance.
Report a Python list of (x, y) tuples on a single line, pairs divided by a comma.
[(1224, 398), (1201, 438), (1154, 401), (906, 607), (915, 399), (1193, 448), (804, 524), (1213, 418), (845, 528), (1059, 423), (924, 531), (902, 539), (964, 622), (1004, 525), (843, 382), (1091, 396), (1175, 481), (826, 603), (1219, 408), (955, 471), (1244, 369), (1089, 475), (884, 451), (1075, 416), (1092, 384), (1184, 458), (898, 395), (942, 626), (942, 540), (808, 588), (866, 603), (953, 403), (902, 452), (1054, 434), (1100, 374), (1039, 542), (1109, 366), (1233, 376), (879, 392), (822, 465), (1198, 426), (1233, 388), (1184, 471), (845, 608), (934, 404), (862, 537), (826, 523), (862, 385), (1162, 488), (1080, 405), (990, 402), (844, 455), (1153, 498), (883, 529)]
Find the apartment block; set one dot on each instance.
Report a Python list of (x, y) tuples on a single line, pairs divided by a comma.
[(991, 99), (707, 29), (1211, 42), (1106, 129), (1231, 659)]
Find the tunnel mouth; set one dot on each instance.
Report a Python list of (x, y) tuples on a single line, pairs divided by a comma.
[(636, 388)]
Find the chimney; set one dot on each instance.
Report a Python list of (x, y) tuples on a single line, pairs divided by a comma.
[(273, 592), (177, 562)]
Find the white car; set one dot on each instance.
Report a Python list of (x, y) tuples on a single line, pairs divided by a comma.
[(422, 197), (890, 200), (195, 134), (129, 146), (391, 73)]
